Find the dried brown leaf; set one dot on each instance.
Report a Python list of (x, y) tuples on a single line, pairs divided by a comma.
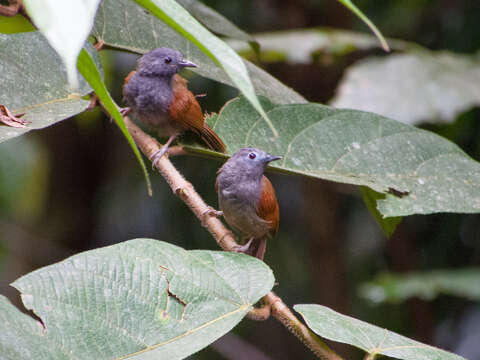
[(9, 119)]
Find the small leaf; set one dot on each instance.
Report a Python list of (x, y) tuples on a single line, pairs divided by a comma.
[(90, 72), (370, 197), (36, 84), (141, 299), (15, 24), (353, 8), (432, 86), (370, 338), (425, 285), (223, 55), (419, 171)]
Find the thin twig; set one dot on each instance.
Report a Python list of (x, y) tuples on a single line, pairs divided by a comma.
[(225, 239)]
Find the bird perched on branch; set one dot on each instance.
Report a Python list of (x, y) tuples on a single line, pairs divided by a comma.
[(160, 98), (247, 199)]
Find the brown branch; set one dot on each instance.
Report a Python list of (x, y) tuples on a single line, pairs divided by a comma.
[(225, 239)]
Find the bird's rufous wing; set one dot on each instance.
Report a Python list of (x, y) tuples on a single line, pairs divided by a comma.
[(127, 79), (184, 107), (267, 207)]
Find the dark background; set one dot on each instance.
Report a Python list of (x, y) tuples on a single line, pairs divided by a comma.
[(77, 186)]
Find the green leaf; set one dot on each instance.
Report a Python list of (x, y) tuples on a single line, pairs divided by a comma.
[(419, 171), (87, 67), (15, 24), (122, 24), (370, 338), (223, 55), (141, 299), (426, 285), (66, 25), (370, 197), (432, 86), (353, 8), (36, 84)]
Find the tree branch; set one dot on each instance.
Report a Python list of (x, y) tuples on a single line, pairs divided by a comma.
[(225, 239)]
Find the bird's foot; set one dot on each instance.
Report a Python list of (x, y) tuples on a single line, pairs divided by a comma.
[(243, 248), (125, 111), (210, 212), (156, 156)]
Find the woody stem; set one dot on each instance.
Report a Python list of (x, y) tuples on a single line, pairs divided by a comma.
[(225, 239)]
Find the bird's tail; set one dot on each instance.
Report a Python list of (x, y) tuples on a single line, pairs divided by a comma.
[(257, 248), (212, 140)]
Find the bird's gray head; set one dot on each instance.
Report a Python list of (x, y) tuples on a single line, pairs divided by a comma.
[(249, 162), (163, 62)]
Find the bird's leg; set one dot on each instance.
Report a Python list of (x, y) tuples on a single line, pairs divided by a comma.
[(158, 154), (243, 248), (125, 111)]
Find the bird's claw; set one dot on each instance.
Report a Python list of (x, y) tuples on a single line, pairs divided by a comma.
[(211, 212), (243, 248), (157, 155), (125, 111)]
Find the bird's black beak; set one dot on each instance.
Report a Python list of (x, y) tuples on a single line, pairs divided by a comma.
[(186, 63), (270, 158)]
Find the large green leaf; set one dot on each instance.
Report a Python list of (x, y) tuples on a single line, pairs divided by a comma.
[(425, 285), (66, 25), (124, 25), (34, 83), (374, 340), (414, 87), (419, 171), (141, 299)]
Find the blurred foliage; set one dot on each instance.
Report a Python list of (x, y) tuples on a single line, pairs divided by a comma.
[(446, 83), (24, 173), (427, 286)]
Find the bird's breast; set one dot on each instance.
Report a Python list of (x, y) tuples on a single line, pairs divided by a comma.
[(152, 102), (238, 204)]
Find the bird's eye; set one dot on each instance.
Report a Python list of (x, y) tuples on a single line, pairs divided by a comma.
[(168, 60), (252, 156)]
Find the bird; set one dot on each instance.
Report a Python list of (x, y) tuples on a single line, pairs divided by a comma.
[(247, 199), (159, 97)]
